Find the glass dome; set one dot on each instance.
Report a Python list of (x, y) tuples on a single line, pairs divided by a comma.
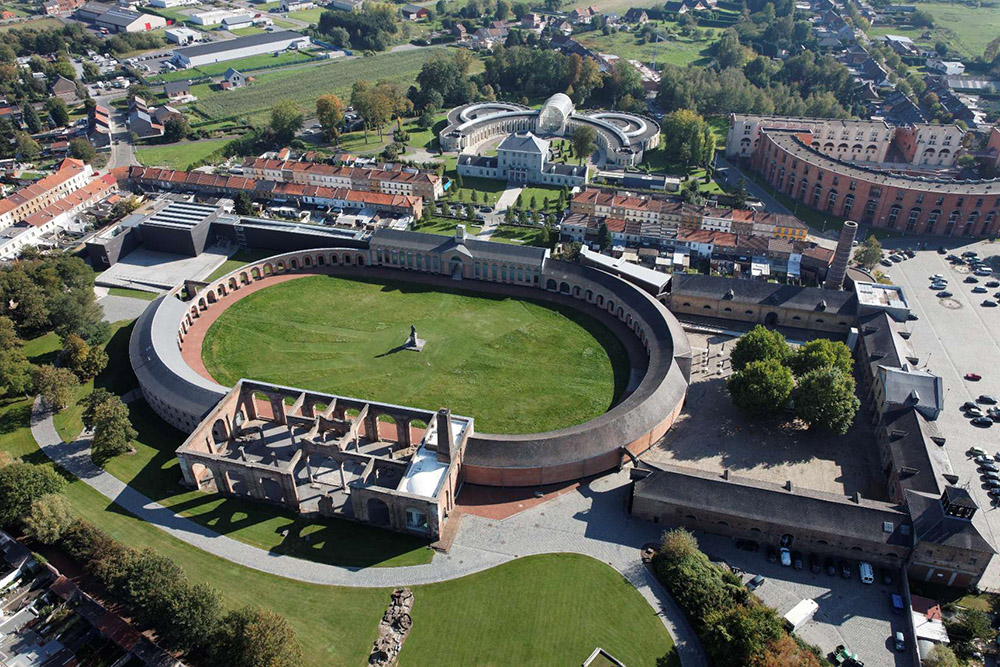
[(554, 114)]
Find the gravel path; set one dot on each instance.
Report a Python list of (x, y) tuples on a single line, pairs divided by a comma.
[(591, 520)]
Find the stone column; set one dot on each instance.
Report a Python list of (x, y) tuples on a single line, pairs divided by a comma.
[(403, 432), (343, 482), (371, 426)]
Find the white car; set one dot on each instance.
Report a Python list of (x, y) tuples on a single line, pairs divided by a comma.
[(937, 277), (786, 556)]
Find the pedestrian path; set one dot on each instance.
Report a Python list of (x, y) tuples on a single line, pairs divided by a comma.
[(592, 520)]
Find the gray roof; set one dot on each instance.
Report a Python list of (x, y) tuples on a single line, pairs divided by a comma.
[(816, 299), (438, 243), (755, 500), (931, 524), (910, 387), (119, 17), (261, 39), (176, 86), (884, 345), (921, 464), (525, 142)]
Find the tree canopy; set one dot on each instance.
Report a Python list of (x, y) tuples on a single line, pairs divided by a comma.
[(21, 484), (759, 344), (761, 388), (822, 353), (824, 399), (868, 253)]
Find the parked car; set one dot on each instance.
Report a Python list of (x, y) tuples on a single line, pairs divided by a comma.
[(971, 279), (786, 556), (938, 286), (899, 642), (845, 569), (973, 412), (885, 262), (973, 377), (941, 250), (830, 567), (987, 399), (944, 295), (979, 290), (976, 451), (982, 458), (968, 405), (755, 583), (982, 422), (991, 474), (814, 565), (989, 467), (796, 560), (989, 303), (993, 283)]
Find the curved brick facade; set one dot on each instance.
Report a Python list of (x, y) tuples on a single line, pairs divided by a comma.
[(658, 348), (908, 203)]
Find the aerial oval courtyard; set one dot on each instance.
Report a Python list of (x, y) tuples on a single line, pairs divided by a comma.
[(514, 365)]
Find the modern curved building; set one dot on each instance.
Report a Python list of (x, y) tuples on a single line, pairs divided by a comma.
[(622, 138)]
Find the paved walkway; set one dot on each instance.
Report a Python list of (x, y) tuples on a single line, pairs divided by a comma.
[(591, 520)]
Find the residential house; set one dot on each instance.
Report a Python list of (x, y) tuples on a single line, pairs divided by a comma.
[(946, 67), (233, 79), (347, 5), (177, 89), (412, 12), (636, 16), (63, 88)]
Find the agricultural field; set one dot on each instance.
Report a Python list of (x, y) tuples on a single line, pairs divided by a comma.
[(39, 23), (971, 28), (179, 155), (307, 15), (304, 85), (268, 60), (516, 366), (677, 51)]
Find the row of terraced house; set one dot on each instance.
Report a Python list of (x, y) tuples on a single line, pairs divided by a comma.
[(391, 179)]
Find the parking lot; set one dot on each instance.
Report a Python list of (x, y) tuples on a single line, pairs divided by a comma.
[(955, 336), (851, 613)]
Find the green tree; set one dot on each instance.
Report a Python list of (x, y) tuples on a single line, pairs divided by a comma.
[(603, 237), (74, 353), (27, 148), (824, 399), (941, 656), (533, 202), (91, 72), (77, 312), (55, 385), (113, 432), (684, 136), (96, 361), (243, 204), (970, 626), (729, 52), (176, 128), (81, 149), (192, 616), (21, 484), (31, 119), (869, 253), (286, 120), (90, 403), (583, 138), (330, 112), (677, 544), (761, 388), (821, 353), (740, 194), (252, 636), (58, 111), (15, 369), (50, 516), (758, 344)]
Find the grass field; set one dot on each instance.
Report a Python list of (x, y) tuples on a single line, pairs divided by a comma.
[(39, 23), (445, 226), (517, 235), (304, 85), (132, 293), (513, 365), (239, 259), (678, 51), (973, 27), (179, 155), (307, 15), (252, 62)]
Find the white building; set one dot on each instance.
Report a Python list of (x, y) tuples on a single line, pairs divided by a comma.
[(241, 47), (182, 36), (216, 16), (167, 4), (125, 20), (523, 158)]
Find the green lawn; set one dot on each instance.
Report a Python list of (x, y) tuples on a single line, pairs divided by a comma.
[(515, 366), (304, 85), (180, 155), (445, 226), (972, 27), (132, 293), (239, 259), (518, 235), (38, 23), (245, 32), (307, 15), (508, 612), (263, 60), (677, 50)]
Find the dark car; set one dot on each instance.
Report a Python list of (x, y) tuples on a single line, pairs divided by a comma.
[(909, 253), (993, 283), (970, 253), (987, 399), (944, 295), (941, 250), (814, 565), (830, 567), (982, 422), (772, 554), (755, 583), (797, 560), (971, 279), (989, 467), (747, 545), (845, 569), (968, 405), (887, 577), (989, 303)]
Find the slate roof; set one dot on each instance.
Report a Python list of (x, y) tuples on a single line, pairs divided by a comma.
[(756, 500), (840, 302), (437, 243), (172, 87), (932, 524), (911, 387), (921, 464), (524, 142), (261, 39)]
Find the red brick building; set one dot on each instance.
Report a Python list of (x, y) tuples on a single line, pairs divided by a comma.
[(918, 204)]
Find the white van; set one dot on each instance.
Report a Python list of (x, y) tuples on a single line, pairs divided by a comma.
[(866, 572)]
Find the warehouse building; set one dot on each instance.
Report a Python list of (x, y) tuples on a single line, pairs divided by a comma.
[(241, 47), (119, 19)]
